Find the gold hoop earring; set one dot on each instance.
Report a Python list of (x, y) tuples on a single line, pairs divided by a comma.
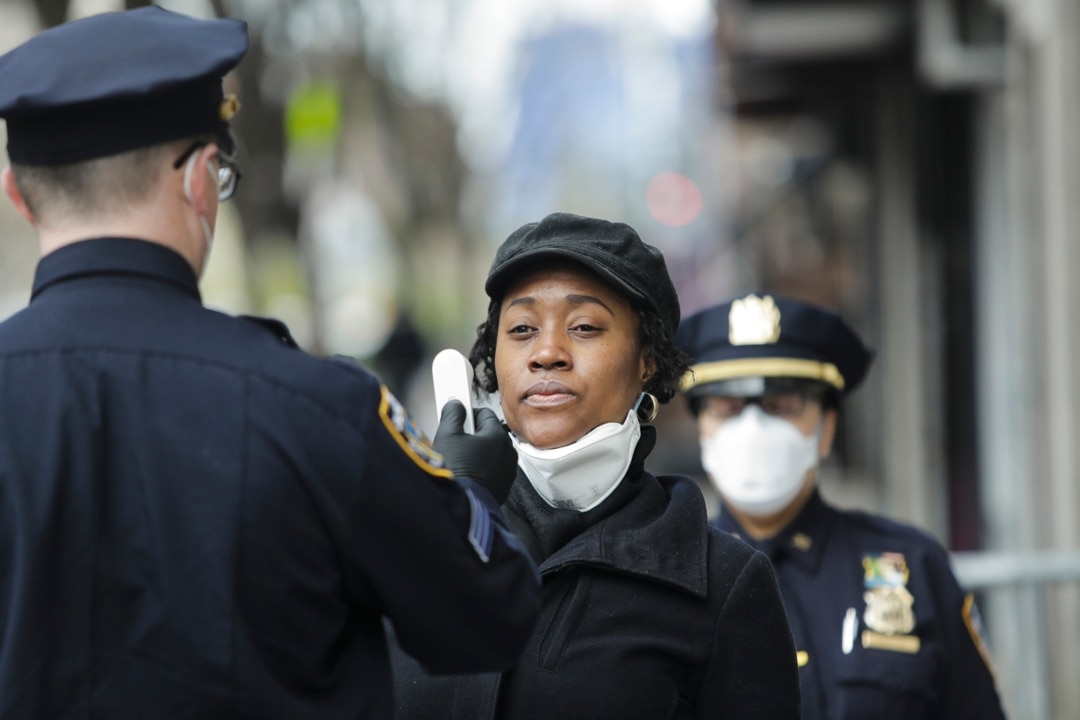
[(647, 414)]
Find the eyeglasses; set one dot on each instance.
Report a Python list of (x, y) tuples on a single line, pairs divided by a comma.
[(228, 174), (779, 404)]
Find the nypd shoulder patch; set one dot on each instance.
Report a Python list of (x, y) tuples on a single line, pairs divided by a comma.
[(973, 623), (409, 437)]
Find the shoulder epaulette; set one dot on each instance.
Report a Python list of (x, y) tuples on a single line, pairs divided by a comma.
[(278, 328)]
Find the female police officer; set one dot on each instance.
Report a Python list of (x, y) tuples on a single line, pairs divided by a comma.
[(882, 628)]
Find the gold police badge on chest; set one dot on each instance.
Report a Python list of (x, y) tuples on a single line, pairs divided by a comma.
[(889, 615)]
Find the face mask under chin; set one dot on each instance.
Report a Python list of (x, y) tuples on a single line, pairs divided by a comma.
[(584, 473), (758, 462)]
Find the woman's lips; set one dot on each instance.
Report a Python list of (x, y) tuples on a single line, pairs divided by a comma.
[(548, 394)]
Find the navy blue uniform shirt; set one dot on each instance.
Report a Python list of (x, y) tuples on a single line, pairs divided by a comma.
[(882, 629), (199, 520)]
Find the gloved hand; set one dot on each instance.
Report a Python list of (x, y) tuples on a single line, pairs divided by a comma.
[(488, 456)]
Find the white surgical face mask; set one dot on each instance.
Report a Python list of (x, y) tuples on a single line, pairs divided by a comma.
[(758, 461), (208, 236), (582, 474)]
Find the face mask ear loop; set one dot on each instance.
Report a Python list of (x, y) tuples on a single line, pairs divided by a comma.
[(819, 432), (207, 234)]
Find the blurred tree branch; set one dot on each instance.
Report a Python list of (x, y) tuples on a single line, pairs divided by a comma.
[(51, 12), (412, 168), (54, 12)]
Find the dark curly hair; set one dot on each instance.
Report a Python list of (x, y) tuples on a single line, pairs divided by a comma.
[(669, 361)]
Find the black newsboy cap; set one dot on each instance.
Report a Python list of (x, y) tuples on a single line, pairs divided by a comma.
[(770, 338), (118, 81), (612, 250)]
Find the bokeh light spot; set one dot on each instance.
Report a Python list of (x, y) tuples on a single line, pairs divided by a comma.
[(673, 199)]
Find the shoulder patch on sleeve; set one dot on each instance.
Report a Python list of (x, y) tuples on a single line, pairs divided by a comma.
[(973, 622), (409, 437)]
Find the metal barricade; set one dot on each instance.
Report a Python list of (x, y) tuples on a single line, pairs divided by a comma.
[(1013, 587)]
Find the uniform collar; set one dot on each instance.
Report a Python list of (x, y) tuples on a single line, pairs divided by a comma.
[(115, 256), (802, 542)]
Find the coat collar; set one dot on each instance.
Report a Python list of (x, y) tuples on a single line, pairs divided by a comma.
[(653, 528), (115, 256), (802, 542)]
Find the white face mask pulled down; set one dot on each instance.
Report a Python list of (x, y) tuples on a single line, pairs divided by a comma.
[(758, 462), (583, 474)]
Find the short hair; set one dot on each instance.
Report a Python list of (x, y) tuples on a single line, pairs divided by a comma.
[(95, 188), (669, 361)]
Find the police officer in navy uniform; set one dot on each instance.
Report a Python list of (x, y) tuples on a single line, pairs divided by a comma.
[(882, 628), (197, 519)]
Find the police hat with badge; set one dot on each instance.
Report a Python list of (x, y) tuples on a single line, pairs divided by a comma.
[(759, 343), (115, 82)]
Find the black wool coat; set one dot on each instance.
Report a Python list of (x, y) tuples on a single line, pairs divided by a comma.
[(646, 613)]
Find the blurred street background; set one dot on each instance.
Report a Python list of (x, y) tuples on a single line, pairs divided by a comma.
[(911, 163)]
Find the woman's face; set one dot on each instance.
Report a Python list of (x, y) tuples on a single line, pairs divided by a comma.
[(567, 356)]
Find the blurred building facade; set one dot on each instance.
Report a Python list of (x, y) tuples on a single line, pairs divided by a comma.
[(908, 162), (912, 163)]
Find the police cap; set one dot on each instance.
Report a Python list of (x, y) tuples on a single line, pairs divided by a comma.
[(612, 250), (118, 81), (760, 342)]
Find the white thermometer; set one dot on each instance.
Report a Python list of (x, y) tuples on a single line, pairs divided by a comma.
[(452, 376)]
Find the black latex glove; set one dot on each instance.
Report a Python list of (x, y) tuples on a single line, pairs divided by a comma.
[(488, 456)]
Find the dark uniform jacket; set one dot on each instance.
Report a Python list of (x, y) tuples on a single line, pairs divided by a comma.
[(199, 521), (647, 614), (882, 628)]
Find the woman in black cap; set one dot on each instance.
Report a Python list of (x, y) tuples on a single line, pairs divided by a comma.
[(646, 611)]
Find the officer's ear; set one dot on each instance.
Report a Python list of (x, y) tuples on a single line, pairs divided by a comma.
[(200, 178), (828, 432), (11, 189)]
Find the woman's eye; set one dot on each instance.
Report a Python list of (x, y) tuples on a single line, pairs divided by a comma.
[(518, 329), (585, 327)]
